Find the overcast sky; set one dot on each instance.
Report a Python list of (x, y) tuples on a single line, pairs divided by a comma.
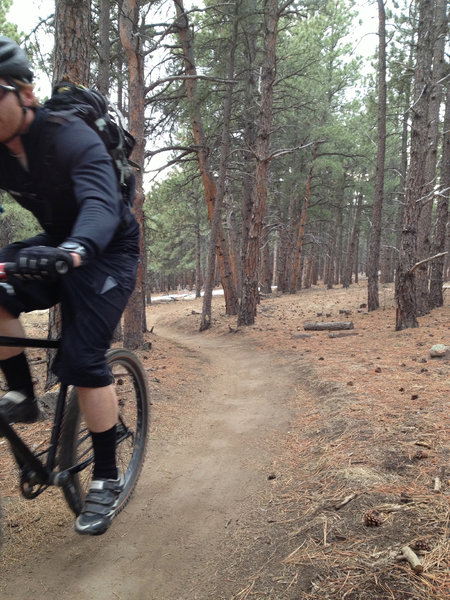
[(28, 14)]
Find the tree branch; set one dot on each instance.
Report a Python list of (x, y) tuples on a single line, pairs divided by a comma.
[(282, 152), (425, 260), (186, 77)]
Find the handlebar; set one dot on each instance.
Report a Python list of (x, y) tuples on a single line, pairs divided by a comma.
[(10, 268), (4, 269)]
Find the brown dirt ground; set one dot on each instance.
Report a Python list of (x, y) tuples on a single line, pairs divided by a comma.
[(360, 418)]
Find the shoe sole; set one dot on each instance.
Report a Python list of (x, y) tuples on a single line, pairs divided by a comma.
[(92, 530)]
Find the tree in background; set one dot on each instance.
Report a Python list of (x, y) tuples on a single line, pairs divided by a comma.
[(72, 53), (250, 292), (437, 276), (438, 36), (405, 288), (131, 30), (186, 39), (71, 60), (375, 233)]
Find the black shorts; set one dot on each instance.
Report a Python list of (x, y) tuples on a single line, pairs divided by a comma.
[(93, 298)]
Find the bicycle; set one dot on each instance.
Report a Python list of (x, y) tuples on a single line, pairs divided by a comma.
[(67, 460)]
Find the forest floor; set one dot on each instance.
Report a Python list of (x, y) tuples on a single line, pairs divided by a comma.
[(283, 464)]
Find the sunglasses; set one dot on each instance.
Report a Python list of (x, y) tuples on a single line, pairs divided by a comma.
[(4, 89)]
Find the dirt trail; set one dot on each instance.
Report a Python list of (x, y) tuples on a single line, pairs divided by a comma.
[(200, 474)]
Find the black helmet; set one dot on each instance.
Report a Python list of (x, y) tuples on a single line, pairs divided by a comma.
[(13, 61)]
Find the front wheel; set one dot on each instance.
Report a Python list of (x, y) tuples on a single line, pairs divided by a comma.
[(130, 383)]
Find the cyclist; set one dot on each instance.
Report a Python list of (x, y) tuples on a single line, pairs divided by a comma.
[(75, 197)]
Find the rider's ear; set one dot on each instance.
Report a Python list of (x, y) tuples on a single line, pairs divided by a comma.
[(27, 96)]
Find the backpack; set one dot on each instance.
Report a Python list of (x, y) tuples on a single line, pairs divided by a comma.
[(70, 100)]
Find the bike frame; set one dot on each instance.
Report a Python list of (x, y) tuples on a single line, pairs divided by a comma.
[(33, 470)]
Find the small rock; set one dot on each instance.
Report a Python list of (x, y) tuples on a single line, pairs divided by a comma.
[(439, 350)]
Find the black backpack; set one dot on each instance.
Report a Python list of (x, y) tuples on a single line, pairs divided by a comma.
[(70, 100)]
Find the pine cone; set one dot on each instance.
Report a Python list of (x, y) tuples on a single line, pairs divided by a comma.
[(372, 518), (420, 454), (422, 545)]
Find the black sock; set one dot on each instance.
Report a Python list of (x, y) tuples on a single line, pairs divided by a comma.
[(17, 374), (105, 454)]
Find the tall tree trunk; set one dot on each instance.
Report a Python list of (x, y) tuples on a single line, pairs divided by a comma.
[(437, 266), (375, 233), (426, 206), (104, 47), (130, 36), (405, 288), (282, 258), (404, 152), (223, 255), (331, 254), (339, 234), (220, 191), (302, 226), (233, 238), (198, 254), (351, 251), (72, 41), (250, 296), (72, 61), (266, 271), (250, 109)]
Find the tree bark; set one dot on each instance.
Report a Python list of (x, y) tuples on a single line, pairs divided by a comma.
[(72, 61), (437, 267), (426, 206), (249, 126), (198, 254), (405, 288), (72, 41), (435, 298), (351, 251), (266, 271), (233, 239), (104, 46), (134, 316), (375, 233), (250, 295)]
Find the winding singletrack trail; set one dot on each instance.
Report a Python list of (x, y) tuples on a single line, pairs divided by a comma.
[(200, 475)]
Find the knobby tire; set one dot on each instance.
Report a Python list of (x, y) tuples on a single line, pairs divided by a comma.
[(134, 416)]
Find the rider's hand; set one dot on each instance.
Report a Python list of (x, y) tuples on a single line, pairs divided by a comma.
[(42, 262)]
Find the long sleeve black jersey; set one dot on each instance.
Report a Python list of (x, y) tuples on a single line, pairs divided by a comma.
[(70, 186)]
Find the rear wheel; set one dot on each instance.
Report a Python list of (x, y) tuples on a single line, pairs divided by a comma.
[(130, 383)]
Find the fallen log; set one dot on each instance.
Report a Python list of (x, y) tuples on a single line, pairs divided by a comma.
[(343, 334), (333, 325)]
